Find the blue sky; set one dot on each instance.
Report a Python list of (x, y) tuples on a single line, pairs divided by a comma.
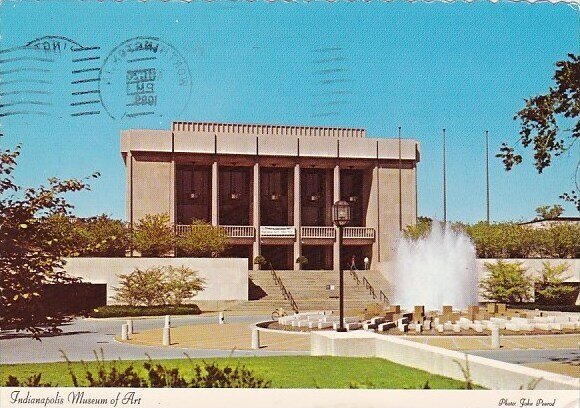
[(465, 67)]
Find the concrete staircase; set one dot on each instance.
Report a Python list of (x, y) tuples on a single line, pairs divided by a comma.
[(309, 290)]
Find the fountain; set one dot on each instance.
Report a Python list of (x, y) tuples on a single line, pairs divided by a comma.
[(437, 270)]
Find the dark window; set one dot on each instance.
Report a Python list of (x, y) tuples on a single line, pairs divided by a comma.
[(351, 183), (274, 196), (234, 196), (193, 193), (313, 198)]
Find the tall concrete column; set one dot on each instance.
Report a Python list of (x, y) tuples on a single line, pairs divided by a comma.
[(297, 220), (256, 212), (214, 194), (172, 209), (336, 197)]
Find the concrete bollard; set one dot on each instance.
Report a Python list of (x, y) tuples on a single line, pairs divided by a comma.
[(130, 326), (221, 319), (255, 339), (166, 336), (167, 321), (124, 332), (495, 337)]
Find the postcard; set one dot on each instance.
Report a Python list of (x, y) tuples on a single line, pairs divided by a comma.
[(314, 203)]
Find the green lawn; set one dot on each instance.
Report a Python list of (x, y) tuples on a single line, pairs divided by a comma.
[(284, 372)]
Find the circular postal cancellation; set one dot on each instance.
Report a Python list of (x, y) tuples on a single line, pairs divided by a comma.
[(144, 76)]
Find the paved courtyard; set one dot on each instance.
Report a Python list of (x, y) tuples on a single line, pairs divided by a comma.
[(201, 336), (81, 337)]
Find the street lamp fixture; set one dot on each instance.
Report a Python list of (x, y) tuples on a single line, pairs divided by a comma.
[(341, 216)]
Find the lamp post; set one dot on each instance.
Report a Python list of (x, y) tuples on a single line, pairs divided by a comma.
[(341, 216)]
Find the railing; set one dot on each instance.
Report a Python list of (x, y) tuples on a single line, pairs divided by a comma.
[(382, 296), (318, 232), (277, 232), (239, 231), (358, 232), (355, 276), (286, 293), (369, 287), (232, 231)]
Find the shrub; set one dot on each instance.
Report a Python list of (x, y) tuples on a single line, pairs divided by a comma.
[(550, 287), (561, 241), (158, 286), (506, 283), (260, 260), (32, 381), (127, 311), (103, 236), (202, 240), (420, 230), (153, 235), (302, 260), (107, 374)]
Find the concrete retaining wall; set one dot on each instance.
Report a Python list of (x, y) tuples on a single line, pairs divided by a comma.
[(226, 278), (485, 372), (534, 267)]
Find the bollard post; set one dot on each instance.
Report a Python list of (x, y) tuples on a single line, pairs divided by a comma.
[(495, 337), (130, 326), (167, 321), (221, 318), (166, 336), (255, 339), (124, 332)]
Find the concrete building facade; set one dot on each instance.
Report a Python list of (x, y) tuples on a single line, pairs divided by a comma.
[(272, 187)]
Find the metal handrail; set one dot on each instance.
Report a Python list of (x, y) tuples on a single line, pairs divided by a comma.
[(355, 276), (382, 296), (369, 287), (285, 292)]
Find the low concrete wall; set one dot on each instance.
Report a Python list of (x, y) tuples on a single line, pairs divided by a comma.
[(485, 372), (534, 269), (226, 278), (534, 266)]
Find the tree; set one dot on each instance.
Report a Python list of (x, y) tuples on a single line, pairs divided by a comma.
[(541, 121), (32, 247), (160, 285), (420, 230), (103, 236), (153, 235), (202, 240), (507, 282), (545, 212), (550, 287)]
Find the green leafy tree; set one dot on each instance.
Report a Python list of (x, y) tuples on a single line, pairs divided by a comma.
[(160, 285), (202, 240), (33, 248), (102, 236), (507, 282), (549, 123), (550, 286), (420, 230), (545, 212), (560, 241), (153, 235)]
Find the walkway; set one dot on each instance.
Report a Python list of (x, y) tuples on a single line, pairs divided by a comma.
[(82, 337)]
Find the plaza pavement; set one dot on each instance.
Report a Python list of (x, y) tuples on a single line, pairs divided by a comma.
[(201, 336), (82, 337)]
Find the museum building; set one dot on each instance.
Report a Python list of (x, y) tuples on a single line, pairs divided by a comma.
[(272, 187)]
